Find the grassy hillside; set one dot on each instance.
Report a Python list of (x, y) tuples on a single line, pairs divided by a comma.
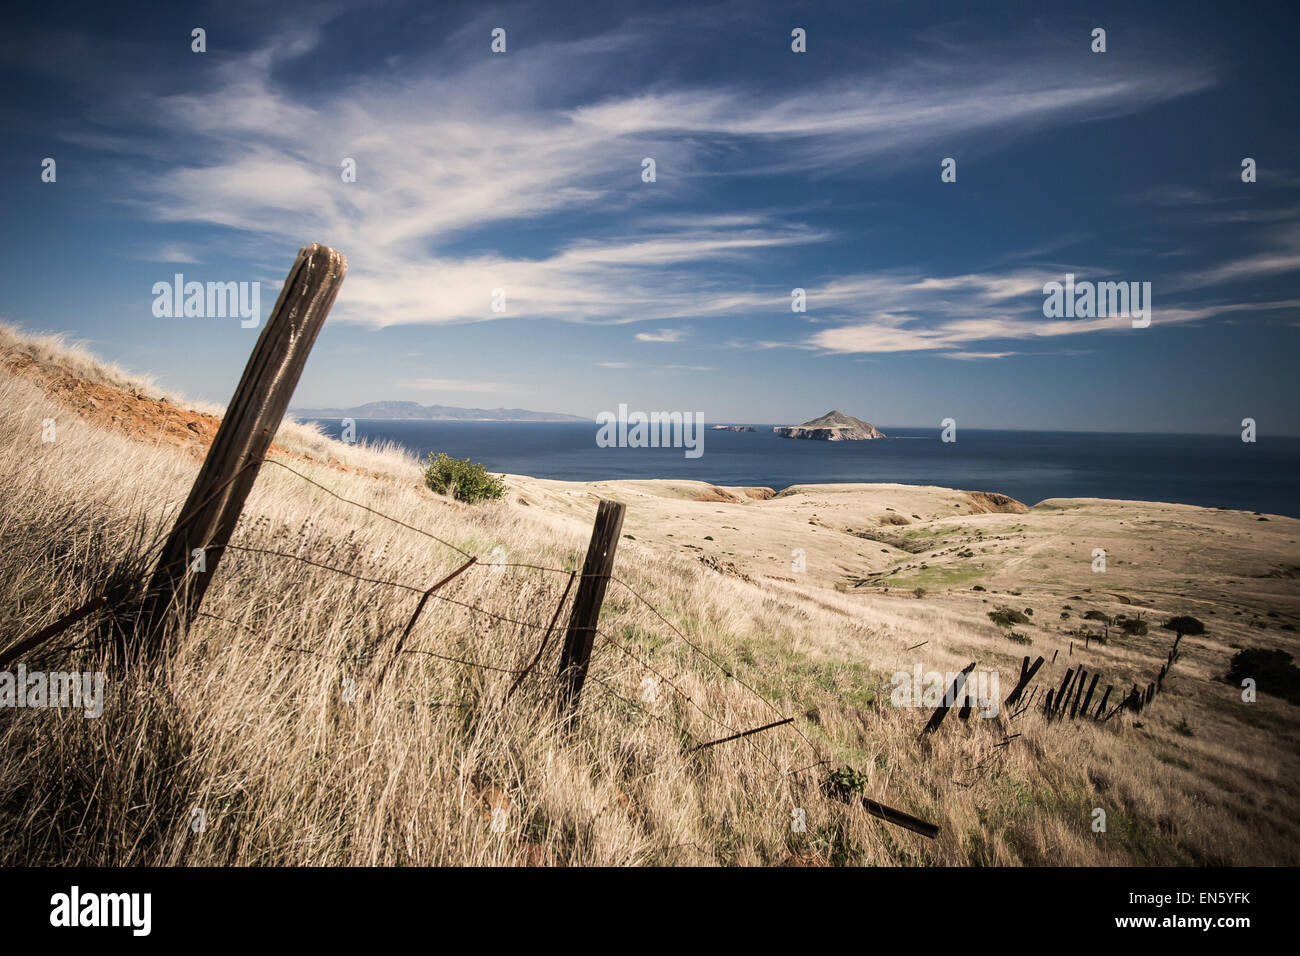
[(264, 723)]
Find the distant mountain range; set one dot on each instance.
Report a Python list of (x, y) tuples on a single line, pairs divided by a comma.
[(414, 411)]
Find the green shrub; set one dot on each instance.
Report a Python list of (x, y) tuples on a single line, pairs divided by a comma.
[(1019, 638), (1272, 672), (845, 783), (1184, 625), (1005, 617), (1134, 626), (1095, 615), (462, 479)]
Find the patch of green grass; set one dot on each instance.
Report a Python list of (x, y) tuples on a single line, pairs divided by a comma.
[(936, 578)]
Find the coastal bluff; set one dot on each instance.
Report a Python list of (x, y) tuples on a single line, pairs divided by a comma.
[(833, 426)]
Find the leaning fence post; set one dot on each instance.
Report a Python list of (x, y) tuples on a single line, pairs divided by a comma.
[(1078, 690), (1087, 698), (1026, 675), (1101, 708), (1059, 703), (958, 683), (596, 571), (217, 497)]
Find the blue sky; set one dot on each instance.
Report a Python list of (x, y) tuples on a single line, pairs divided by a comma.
[(774, 170)]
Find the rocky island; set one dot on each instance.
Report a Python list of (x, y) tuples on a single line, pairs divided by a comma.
[(734, 428), (833, 426)]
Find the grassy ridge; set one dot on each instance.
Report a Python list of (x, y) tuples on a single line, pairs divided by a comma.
[(250, 721)]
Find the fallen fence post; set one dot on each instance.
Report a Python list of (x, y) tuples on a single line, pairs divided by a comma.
[(206, 522), (949, 699), (899, 818), (596, 571)]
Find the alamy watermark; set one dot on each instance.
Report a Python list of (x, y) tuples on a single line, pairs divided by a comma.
[(36, 689), (213, 300), (652, 430), (1088, 300), (929, 689), (133, 911)]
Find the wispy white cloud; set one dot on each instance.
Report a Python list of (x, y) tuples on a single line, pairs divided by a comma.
[(1282, 256), (662, 335), (447, 150), (950, 314), (171, 252), (976, 356)]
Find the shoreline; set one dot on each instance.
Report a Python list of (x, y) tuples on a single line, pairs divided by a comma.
[(1222, 474)]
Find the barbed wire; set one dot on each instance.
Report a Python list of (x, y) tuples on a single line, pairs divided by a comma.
[(735, 734), (373, 511), (687, 697), (722, 667), (307, 650), (196, 509)]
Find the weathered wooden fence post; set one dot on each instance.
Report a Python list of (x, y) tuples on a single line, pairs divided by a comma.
[(1026, 675), (212, 509), (949, 698), (1058, 703), (596, 571), (1101, 708), (1078, 691), (1087, 698)]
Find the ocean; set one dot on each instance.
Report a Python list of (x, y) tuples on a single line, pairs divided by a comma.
[(1210, 470)]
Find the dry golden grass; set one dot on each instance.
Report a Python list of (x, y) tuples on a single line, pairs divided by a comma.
[(249, 720)]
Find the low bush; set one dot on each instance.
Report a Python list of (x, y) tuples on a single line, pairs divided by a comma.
[(1272, 672), (462, 479), (1006, 617)]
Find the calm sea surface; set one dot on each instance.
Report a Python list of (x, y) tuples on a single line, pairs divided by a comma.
[(1216, 471)]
